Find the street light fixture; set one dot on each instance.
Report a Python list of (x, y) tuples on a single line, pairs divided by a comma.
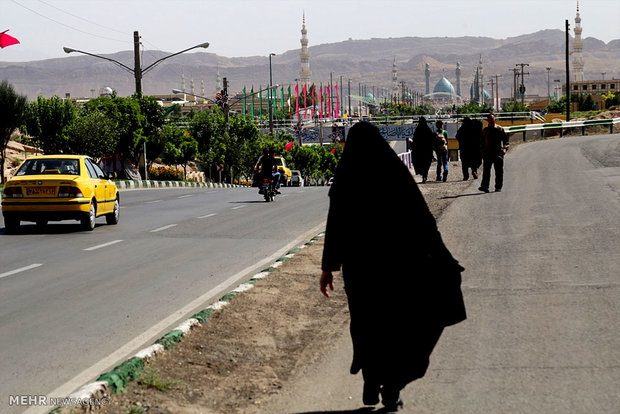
[(137, 70)]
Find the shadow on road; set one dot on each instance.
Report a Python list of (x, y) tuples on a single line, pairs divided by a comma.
[(361, 410), (461, 195)]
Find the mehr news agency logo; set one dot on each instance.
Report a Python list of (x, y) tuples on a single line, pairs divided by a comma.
[(44, 400)]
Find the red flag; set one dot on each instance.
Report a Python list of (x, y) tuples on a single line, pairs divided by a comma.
[(336, 112), (320, 103), (289, 146), (333, 151), (6, 40), (305, 100), (312, 93), (297, 100)]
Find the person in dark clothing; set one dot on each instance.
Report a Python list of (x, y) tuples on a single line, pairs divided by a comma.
[(493, 145), (268, 168), (393, 330), (468, 137), (441, 150), (422, 149)]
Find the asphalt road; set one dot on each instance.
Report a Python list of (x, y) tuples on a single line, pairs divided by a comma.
[(73, 304), (542, 292)]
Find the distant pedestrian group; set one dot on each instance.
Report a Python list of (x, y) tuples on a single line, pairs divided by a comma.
[(477, 146)]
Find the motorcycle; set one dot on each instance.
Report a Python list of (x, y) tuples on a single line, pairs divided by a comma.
[(268, 189)]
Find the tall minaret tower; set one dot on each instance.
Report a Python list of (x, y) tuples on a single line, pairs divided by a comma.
[(394, 80), (480, 82), (427, 74), (578, 49), (304, 73), (458, 78)]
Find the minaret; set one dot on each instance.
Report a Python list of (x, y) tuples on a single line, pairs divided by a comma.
[(480, 82), (304, 73), (218, 81), (394, 79), (427, 73), (458, 79), (578, 49)]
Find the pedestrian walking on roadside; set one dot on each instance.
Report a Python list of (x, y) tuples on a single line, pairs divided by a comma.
[(468, 137), (441, 150), (494, 144), (422, 148), (393, 329)]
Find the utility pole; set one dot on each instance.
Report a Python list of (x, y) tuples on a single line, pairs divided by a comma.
[(137, 68), (492, 83), (349, 112), (567, 74), (515, 73), (548, 84), (499, 102), (225, 100), (522, 87)]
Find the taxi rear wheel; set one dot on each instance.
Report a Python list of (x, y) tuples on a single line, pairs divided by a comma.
[(88, 220), (112, 218), (11, 225)]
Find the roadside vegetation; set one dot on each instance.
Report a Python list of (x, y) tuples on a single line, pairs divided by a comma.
[(130, 127)]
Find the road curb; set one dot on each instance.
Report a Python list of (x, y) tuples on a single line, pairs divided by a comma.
[(117, 379), (133, 184)]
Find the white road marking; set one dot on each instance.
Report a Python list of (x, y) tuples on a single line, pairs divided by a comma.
[(21, 269), (151, 202), (163, 228), (186, 195), (102, 245), (236, 208), (207, 216)]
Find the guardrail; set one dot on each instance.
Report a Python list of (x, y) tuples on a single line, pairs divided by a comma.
[(562, 126)]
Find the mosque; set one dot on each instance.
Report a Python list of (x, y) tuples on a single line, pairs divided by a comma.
[(444, 92)]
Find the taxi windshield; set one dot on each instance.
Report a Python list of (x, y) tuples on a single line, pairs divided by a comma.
[(70, 166)]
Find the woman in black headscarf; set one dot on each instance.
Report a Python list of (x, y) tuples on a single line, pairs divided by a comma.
[(468, 136), (422, 151), (402, 292)]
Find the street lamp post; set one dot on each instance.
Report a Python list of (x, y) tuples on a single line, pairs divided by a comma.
[(548, 83), (137, 70), (270, 92)]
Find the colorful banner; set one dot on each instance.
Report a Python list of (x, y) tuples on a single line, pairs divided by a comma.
[(297, 101)]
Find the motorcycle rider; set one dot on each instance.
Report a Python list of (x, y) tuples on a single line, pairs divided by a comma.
[(268, 168)]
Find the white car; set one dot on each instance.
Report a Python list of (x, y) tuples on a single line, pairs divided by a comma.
[(296, 178)]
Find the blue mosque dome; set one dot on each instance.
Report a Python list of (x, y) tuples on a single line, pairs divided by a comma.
[(444, 86), (370, 96)]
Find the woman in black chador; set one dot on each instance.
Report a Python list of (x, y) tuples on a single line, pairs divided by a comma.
[(422, 151), (402, 289), (468, 136)]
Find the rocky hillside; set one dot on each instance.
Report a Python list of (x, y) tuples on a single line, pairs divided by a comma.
[(368, 62)]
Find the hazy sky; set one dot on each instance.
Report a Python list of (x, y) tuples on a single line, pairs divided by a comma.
[(257, 27)]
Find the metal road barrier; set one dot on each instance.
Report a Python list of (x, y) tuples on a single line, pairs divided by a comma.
[(562, 126)]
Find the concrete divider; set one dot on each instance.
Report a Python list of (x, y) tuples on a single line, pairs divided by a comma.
[(134, 184)]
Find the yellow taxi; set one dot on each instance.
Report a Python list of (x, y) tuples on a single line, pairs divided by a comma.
[(285, 172), (59, 187)]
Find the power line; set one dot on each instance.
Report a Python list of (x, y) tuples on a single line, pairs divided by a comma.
[(81, 18), (66, 25)]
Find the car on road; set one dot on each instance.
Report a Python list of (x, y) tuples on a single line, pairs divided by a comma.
[(296, 178), (59, 187)]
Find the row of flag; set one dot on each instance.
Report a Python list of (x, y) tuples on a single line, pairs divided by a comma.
[(324, 102)]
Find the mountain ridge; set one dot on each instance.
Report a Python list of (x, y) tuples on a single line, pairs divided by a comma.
[(363, 61)]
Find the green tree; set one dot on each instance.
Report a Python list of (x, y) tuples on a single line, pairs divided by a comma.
[(12, 108), (91, 133), (129, 123), (47, 121), (473, 107), (180, 147), (558, 106)]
